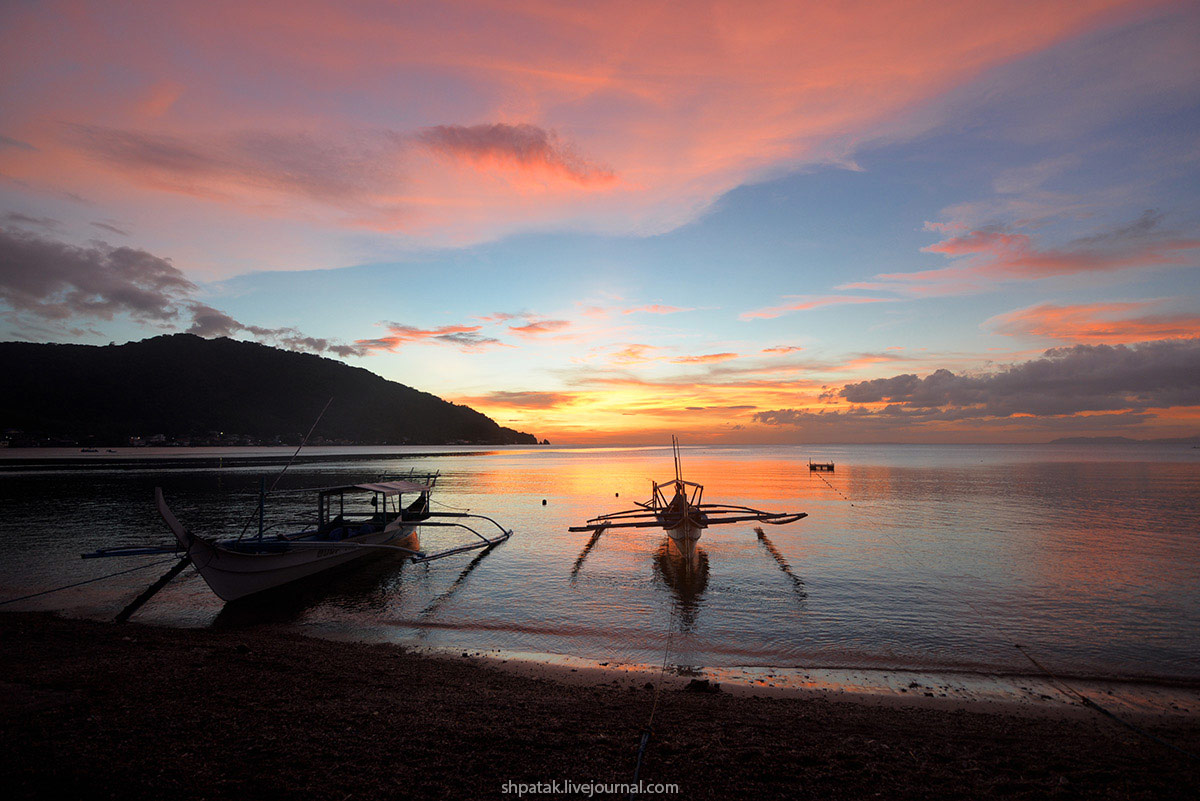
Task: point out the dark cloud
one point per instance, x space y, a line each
110 228
464 337
17 218
468 341
351 167
1127 380
322 168
1065 381
528 400
895 421
522 145
1145 228
8 141
50 282
57 281
209 322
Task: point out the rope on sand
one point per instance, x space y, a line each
1063 686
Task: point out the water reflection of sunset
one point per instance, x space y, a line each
901 549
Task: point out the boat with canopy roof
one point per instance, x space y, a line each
351 522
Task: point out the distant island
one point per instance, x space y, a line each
182 389
1125 441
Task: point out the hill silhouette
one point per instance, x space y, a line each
185 388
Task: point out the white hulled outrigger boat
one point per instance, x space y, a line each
684 516
352 522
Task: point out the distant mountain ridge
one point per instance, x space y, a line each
182 387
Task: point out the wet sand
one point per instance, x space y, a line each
96 710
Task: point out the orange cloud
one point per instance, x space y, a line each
634 354
1095 323
707 358
781 350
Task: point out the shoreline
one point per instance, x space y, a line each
933 685
216 456
1008 691
95 709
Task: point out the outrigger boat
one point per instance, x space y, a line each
352 522
684 516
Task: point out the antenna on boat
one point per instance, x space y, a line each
675 450
261 494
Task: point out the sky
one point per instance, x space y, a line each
610 222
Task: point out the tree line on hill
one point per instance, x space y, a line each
183 389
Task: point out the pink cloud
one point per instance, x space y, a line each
1096 323
540 328
780 350
361 103
983 256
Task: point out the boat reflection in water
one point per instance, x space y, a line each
686 575
373 587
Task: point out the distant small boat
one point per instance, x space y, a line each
684 516
350 522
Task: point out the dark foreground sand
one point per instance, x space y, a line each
91 710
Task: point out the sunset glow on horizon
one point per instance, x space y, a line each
612 222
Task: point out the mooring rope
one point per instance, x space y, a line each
87 581
1061 684
637 770
835 489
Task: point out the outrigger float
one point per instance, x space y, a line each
684 516
351 522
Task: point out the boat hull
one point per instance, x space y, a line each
233 574
684 536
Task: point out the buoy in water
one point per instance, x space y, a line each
543 501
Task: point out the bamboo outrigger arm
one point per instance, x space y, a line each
484 542
292 545
634 518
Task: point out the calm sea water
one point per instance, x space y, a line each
912 556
